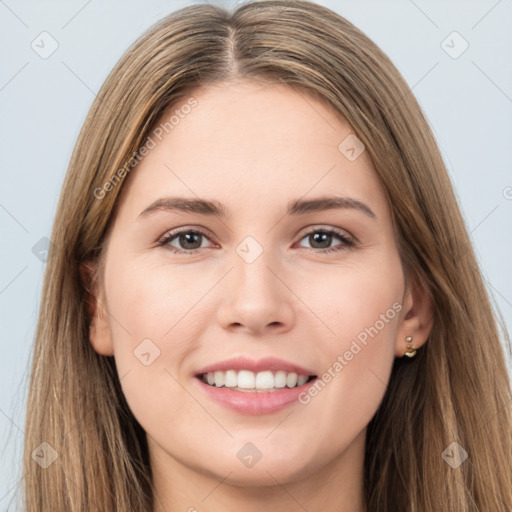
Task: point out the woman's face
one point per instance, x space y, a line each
265 271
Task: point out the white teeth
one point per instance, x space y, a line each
230 380
219 379
247 380
264 380
280 379
301 380
291 380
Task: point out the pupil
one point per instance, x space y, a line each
322 238
187 239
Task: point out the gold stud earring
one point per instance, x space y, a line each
411 351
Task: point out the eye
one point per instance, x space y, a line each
321 239
188 240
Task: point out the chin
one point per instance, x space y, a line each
268 470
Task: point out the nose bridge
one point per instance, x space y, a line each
252 275
256 298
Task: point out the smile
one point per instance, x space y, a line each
248 381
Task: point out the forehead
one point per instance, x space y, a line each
245 144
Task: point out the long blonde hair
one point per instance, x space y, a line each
457 388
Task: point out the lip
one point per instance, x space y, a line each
260 365
254 404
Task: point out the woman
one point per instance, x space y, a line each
197 350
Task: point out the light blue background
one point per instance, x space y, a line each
43 102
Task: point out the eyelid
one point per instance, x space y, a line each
184 229
302 233
347 238
323 227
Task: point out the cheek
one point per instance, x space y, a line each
366 309
363 308
155 300
154 322
359 301
152 319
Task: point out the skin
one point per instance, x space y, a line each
254 148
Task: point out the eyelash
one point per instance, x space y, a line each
347 241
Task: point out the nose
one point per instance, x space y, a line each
257 298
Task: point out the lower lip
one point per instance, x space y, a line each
255 403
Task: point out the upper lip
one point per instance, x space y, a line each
259 365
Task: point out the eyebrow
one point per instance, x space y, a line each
216 209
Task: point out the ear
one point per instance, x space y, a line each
99 328
417 316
